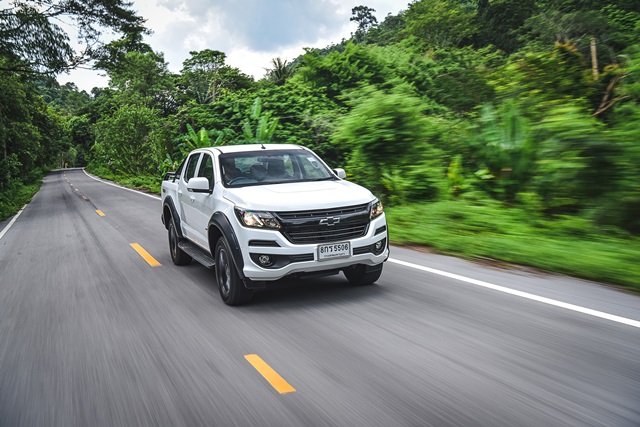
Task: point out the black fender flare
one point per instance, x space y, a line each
168 203
221 222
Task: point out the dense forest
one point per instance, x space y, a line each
524 105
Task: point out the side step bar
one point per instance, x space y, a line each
197 253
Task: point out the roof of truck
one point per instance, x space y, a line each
254 147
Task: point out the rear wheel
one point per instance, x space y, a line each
178 256
232 290
360 275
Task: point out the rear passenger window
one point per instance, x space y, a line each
191 167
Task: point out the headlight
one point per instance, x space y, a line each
376 209
257 219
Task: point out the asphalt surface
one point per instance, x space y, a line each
92 335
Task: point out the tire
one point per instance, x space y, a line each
178 256
231 287
359 276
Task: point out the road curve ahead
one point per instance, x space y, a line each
99 328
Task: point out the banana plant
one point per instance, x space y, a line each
265 127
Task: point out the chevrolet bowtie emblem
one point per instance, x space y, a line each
329 221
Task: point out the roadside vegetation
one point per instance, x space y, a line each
490 233
502 129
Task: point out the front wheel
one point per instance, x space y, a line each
178 256
360 275
232 290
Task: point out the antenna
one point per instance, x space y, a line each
262 146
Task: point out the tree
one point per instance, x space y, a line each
341 71
439 23
112 56
389 31
125 141
363 16
205 75
31 39
280 72
143 78
385 132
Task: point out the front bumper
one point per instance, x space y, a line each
302 259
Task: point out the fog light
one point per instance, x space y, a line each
265 260
378 246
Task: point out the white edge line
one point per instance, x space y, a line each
4 230
549 301
119 186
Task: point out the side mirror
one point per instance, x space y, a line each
340 172
198 185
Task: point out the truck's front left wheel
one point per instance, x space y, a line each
178 256
232 290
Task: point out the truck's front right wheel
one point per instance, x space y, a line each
232 290
178 256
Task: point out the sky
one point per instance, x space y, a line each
250 32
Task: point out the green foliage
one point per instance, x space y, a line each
489 231
389 31
542 79
499 22
439 23
264 128
504 149
33 40
280 72
343 71
13 198
456 180
125 142
205 76
383 126
145 183
385 132
143 78
573 153
363 16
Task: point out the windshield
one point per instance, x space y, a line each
271 167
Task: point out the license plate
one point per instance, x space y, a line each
334 250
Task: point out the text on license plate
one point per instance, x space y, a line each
334 250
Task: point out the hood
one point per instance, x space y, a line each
298 196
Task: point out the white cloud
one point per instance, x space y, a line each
250 32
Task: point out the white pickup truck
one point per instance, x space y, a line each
259 213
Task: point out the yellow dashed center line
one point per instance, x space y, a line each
269 374
84 197
99 212
76 189
144 254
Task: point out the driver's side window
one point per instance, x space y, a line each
206 170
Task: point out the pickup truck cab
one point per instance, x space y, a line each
259 213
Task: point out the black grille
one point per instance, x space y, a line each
325 225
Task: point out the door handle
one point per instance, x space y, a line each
180 192
192 199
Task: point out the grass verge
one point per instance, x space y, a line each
569 245
150 184
15 197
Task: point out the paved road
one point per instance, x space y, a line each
92 335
